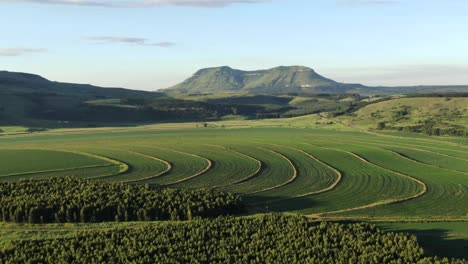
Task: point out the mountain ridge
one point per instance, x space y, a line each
281 79
287 80
20 82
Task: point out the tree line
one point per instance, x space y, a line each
261 239
71 200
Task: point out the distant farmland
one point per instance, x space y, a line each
319 173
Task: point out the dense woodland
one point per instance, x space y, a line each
263 239
59 200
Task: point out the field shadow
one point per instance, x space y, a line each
437 242
279 204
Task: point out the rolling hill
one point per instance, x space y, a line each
223 94
430 115
33 101
285 80
23 83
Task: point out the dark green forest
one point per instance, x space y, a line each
60 200
261 239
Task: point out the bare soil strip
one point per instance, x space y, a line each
412 148
338 174
123 167
293 177
249 177
373 145
168 165
378 203
32 173
423 163
207 168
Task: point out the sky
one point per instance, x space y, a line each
153 44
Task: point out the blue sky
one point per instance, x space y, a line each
151 44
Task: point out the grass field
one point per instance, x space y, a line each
410 112
323 173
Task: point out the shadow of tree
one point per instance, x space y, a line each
438 242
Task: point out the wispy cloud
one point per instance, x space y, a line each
140 3
130 40
367 2
12 52
166 44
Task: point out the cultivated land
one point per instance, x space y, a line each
402 181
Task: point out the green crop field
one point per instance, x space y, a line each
325 174
328 173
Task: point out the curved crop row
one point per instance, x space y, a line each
343 173
166 163
418 159
275 170
430 157
447 191
443 151
226 167
106 167
185 166
388 201
59 172
313 177
19 161
361 184
140 166
290 180
248 177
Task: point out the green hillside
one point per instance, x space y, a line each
20 83
35 103
430 115
286 80
31 101
279 80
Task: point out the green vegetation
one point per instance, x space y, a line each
35 162
269 238
31 104
275 169
430 115
74 200
286 80
314 165
17 83
280 80
437 238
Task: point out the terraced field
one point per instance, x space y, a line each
320 173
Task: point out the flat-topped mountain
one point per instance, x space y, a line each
279 80
284 80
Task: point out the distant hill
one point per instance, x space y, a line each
279 80
31 100
285 80
429 115
18 82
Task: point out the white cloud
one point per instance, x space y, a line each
130 40
11 52
140 3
